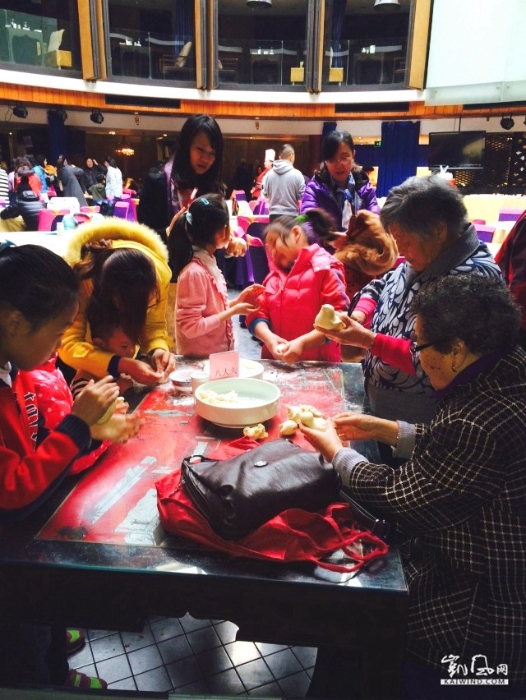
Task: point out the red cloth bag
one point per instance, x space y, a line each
293 535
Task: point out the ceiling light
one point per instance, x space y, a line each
20 110
258 4
60 114
96 116
507 123
387 5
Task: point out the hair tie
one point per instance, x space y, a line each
5 245
205 201
188 217
302 219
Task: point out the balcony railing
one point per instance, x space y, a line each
151 56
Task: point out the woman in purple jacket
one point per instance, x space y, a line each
340 187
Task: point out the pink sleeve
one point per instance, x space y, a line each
394 351
367 306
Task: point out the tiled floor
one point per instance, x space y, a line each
197 657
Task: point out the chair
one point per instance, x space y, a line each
297 74
48 218
261 206
175 64
121 210
55 57
478 221
510 214
485 233
257 252
240 195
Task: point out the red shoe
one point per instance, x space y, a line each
76 679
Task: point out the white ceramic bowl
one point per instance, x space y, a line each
181 379
258 401
247 368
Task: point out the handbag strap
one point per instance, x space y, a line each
380 549
360 560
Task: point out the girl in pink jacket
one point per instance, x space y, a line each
303 279
203 313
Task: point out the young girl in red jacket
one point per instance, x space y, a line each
38 301
303 279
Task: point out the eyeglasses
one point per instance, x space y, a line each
341 159
418 348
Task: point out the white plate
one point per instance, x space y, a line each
247 368
261 402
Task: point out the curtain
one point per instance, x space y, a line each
338 15
184 20
57 137
399 154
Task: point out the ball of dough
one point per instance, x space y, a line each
328 318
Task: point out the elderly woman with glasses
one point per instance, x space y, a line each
340 187
459 501
428 220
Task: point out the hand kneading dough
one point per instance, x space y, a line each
288 427
306 415
109 412
256 432
328 319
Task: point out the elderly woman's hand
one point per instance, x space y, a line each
353 333
361 426
325 441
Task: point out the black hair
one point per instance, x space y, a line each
37 282
183 176
111 161
103 319
478 310
205 217
419 204
322 224
124 280
331 144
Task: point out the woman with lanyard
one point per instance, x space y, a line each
340 187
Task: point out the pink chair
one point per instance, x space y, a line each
478 221
485 233
94 209
510 214
240 195
48 218
261 206
121 210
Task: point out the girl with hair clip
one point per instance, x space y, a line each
38 301
123 266
203 312
303 279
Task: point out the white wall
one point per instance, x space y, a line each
477 52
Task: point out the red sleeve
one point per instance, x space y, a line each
395 352
23 480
